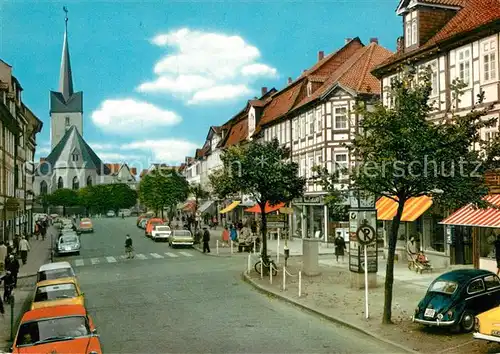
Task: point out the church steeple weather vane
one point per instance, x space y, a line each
66 79
65 9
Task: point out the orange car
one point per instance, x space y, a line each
152 223
60 329
56 292
86 225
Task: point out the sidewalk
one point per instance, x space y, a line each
330 296
38 255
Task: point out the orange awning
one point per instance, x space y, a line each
268 209
414 207
189 206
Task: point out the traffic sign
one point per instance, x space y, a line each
276 225
365 234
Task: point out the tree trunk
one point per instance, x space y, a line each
162 213
389 272
264 232
64 210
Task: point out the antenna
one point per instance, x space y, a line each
65 9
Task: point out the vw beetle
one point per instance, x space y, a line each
454 298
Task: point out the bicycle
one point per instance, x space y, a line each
266 266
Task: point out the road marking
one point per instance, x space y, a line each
79 262
186 254
171 254
94 260
156 255
111 259
141 256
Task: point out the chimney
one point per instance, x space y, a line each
42 159
263 91
374 40
347 40
290 80
321 55
400 44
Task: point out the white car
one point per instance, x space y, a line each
110 214
52 271
68 244
161 233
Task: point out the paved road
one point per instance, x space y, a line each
192 304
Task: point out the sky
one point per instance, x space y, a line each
156 75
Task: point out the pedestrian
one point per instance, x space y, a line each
3 255
13 268
225 237
206 240
339 246
233 233
16 240
129 248
24 248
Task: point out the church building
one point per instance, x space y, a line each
71 163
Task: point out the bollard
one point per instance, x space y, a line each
284 278
254 247
261 269
300 283
11 316
270 272
231 246
217 246
278 249
248 264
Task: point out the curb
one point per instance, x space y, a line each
340 321
214 254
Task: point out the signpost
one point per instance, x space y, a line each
365 235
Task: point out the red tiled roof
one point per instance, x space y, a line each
445 2
113 167
238 133
474 14
281 103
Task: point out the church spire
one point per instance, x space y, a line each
66 78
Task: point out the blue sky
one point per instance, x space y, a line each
157 74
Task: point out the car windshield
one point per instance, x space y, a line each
162 228
182 233
54 329
444 286
55 274
68 239
56 292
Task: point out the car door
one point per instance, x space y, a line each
492 284
475 296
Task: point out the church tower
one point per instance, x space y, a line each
66 106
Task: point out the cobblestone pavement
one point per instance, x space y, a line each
329 293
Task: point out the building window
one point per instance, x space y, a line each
303 171
319 122
489 136
434 78
76 184
60 183
319 158
310 118
411 30
488 49
74 156
341 164
303 127
309 89
67 121
464 65
89 181
340 117
310 165
43 188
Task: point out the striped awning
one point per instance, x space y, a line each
230 207
189 205
470 216
205 206
414 207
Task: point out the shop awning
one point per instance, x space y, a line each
471 216
205 206
268 208
414 207
230 207
189 205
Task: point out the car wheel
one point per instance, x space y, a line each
78 253
467 322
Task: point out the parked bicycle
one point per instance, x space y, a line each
267 265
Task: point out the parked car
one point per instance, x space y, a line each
150 224
143 223
124 212
59 329
181 238
161 233
454 298
487 326
53 271
86 225
110 214
62 291
68 244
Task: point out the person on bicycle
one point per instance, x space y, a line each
129 249
8 285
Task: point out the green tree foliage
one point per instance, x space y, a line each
198 193
335 197
402 155
262 170
64 197
104 197
44 201
162 189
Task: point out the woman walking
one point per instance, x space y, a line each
129 249
225 237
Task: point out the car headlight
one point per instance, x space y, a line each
450 314
440 316
476 324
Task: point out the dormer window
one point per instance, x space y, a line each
309 88
74 156
411 29
67 121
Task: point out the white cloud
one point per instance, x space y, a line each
218 93
165 150
258 70
42 150
203 61
101 146
129 115
107 156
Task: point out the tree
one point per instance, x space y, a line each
64 197
401 155
121 196
262 170
44 201
335 196
198 193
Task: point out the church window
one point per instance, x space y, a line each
43 188
60 183
76 184
89 181
74 156
67 121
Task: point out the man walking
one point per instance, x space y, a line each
206 240
24 248
129 249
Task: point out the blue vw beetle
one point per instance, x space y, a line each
454 298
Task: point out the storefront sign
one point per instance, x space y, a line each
363 227
275 218
316 200
276 225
